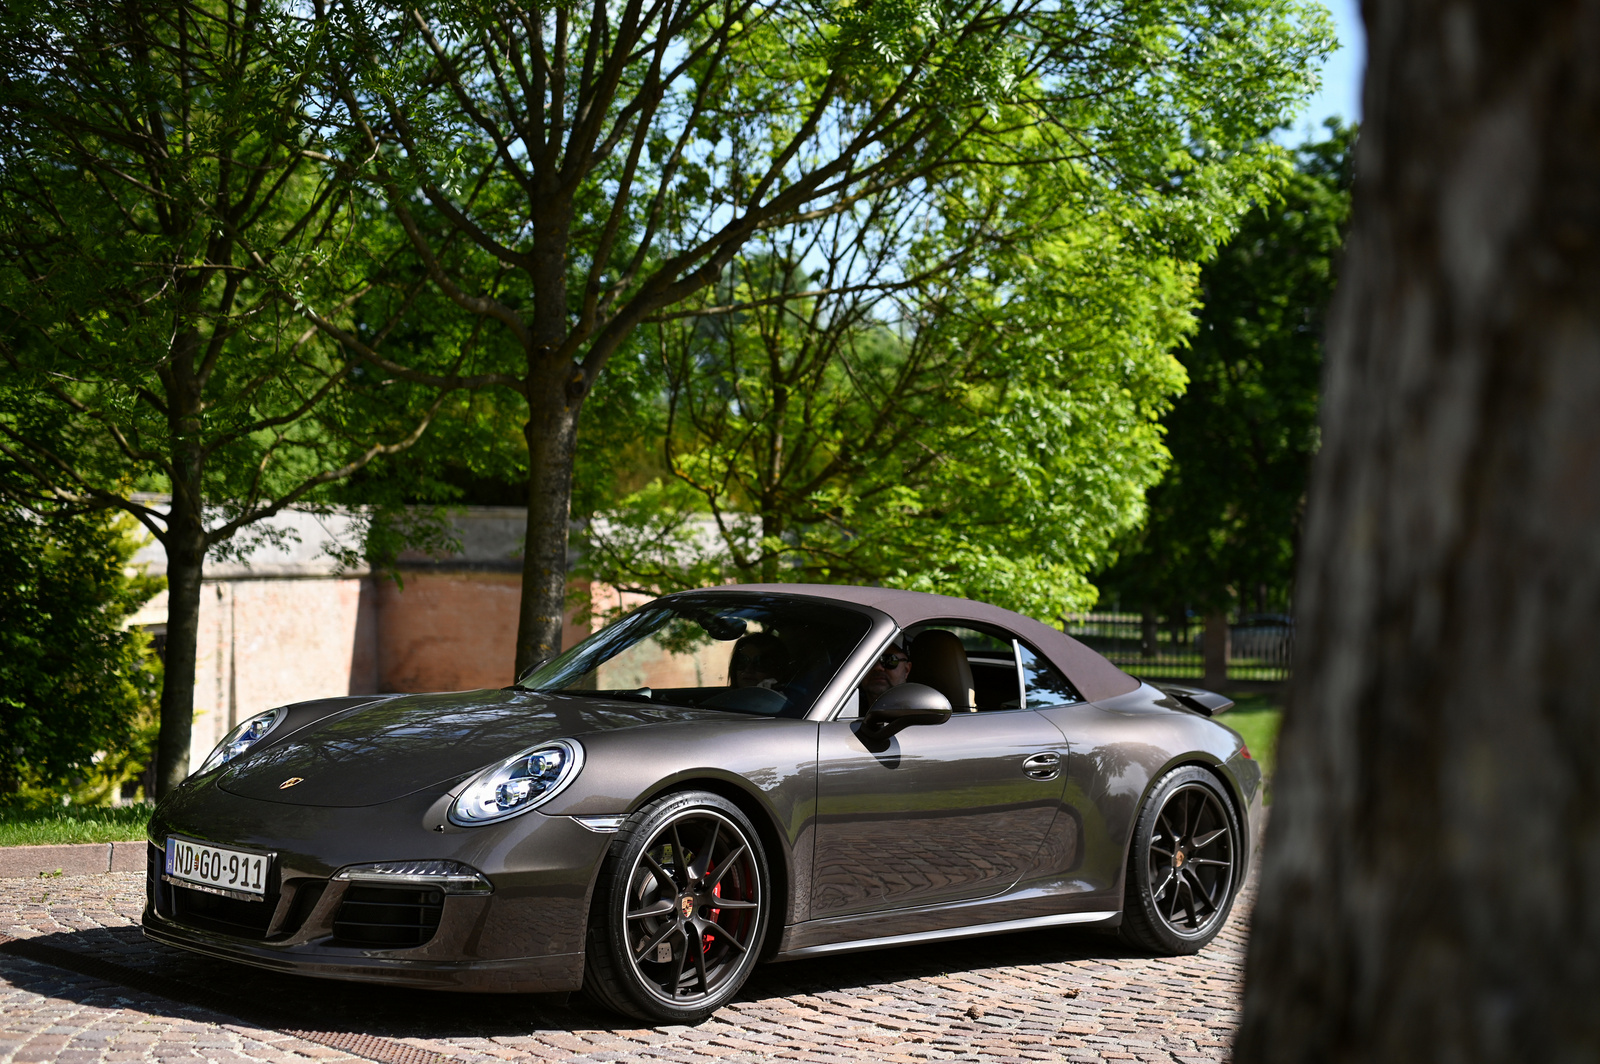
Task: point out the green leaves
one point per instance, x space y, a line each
875 41
1224 524
985 425
74 682
157 269
168 262
956 386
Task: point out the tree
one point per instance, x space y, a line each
977 421
1224 522
73 678
162 226
1427 886
567 172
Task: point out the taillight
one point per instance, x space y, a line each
1245 750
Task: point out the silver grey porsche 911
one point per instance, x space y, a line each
721 778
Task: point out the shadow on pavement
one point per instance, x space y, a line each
122 956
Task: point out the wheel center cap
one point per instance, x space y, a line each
686 905
1177 859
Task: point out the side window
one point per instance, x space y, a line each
1043 686
990 658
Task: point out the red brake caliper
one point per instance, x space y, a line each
716 891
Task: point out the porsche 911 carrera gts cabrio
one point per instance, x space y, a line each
723 777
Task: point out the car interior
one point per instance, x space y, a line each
768 659
977 668
775 663
974 668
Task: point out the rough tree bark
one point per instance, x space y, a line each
551 433
1427 893
186 553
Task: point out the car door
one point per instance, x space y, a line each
946 812
1100 795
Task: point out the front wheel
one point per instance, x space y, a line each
1183 866
679 912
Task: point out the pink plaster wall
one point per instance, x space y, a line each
270 642
266 643
449 631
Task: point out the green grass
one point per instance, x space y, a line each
1257 718
72 823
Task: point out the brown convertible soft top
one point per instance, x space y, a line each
1093 676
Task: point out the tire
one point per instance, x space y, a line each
1183 867
679 912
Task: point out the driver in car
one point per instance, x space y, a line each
892 669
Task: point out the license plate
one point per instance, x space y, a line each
222 869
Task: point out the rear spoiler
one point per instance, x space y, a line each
1206 703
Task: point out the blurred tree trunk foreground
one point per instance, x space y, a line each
1428 887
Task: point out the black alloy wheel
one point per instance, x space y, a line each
679 912
1183 866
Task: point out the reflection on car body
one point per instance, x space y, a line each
699 787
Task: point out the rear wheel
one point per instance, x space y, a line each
1183 865
679 912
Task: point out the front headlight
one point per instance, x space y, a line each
243 738
518 783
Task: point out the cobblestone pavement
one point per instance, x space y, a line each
1053 995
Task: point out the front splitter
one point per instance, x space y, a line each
557 973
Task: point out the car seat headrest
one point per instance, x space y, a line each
939 660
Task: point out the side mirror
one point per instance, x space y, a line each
901 707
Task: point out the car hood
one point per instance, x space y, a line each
382 751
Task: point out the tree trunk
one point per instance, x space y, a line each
185 543
185 567
1217 647
1147 632
1428 886
552 435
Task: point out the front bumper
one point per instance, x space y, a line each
525 937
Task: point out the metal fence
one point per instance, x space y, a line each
1260 646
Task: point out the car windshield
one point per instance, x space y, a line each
768 656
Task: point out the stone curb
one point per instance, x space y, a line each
74 859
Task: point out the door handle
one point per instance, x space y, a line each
1042 766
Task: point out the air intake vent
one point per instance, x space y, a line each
213 912
387 917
